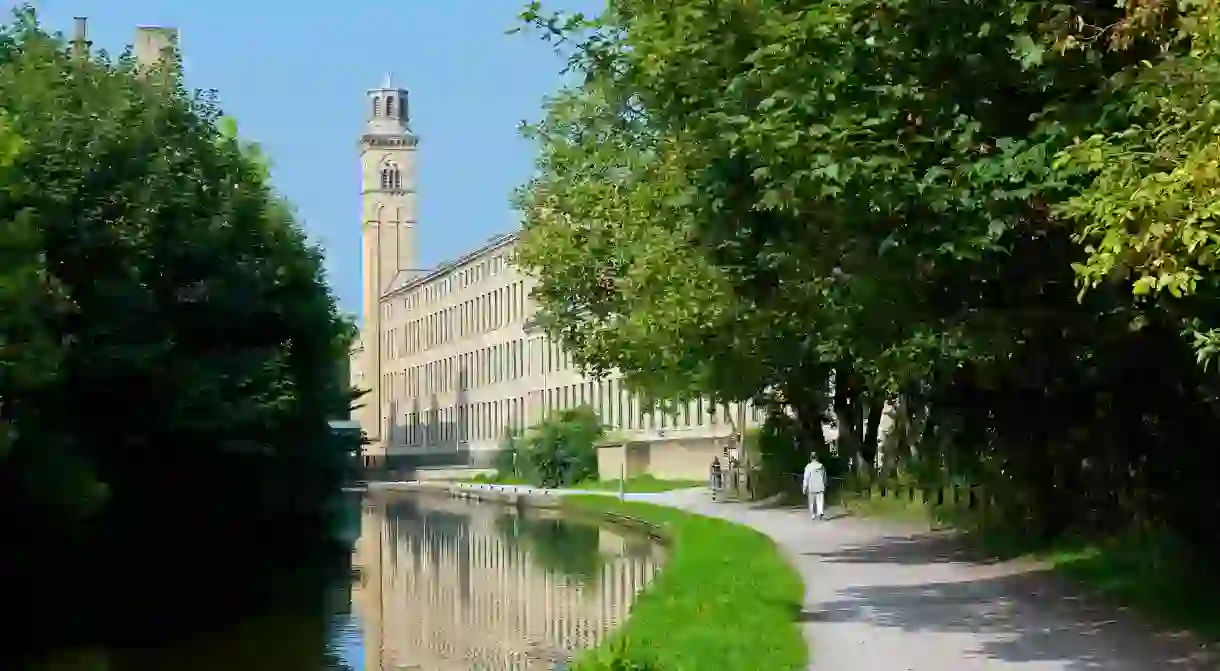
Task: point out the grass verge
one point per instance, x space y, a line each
643 484
1146 571
726 599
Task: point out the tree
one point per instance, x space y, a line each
561 450
743 199
166 332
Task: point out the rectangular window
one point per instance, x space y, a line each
512 303
613 409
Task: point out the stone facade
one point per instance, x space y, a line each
446 354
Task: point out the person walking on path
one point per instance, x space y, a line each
813 485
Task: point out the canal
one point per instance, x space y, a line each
435 584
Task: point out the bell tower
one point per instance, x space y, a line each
387 189
387 193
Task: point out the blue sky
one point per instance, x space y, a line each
294 75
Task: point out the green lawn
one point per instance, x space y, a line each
726 600
643 484
1146 572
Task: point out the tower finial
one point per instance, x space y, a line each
389 81
80 40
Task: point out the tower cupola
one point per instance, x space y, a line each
388 110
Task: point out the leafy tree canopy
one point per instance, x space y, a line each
165 324
994 214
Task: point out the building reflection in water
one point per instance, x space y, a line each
446 584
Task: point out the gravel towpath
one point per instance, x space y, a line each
882 597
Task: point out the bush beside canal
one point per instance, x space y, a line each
559 451
726 599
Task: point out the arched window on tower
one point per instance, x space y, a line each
391 177
389 106
376 105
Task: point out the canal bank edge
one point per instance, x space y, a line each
506 495
525 498
726 598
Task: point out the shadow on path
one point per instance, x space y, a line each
912 548
1011 612
881 597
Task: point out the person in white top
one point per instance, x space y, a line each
813 485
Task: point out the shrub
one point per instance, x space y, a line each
562 449
506 461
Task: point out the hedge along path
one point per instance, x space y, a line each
726 599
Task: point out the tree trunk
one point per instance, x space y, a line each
847 414
809 406
872 424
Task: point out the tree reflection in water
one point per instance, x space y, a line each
571 550
430 584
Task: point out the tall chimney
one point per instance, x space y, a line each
155 45
80 34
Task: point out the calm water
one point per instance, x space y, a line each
436 585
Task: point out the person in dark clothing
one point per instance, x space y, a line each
717 475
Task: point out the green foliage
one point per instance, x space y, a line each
703 611
561 450
827 207
1151 162
505 463
166 332
781 454
618 656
